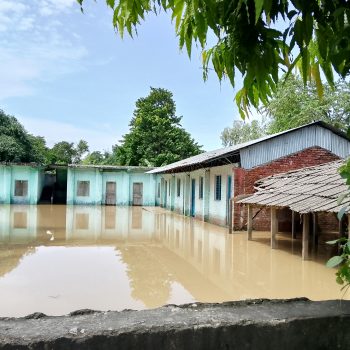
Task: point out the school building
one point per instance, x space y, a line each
209 185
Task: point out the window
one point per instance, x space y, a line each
201 187
217 192
178 187
83 188
21 188
159 190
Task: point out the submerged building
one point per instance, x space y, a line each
205 185
208 186
111 185
77 184
20 183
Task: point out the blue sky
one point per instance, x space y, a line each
68 76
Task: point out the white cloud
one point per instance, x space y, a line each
35 49
11 6
11 15
53 7
98 138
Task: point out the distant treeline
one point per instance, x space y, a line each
155 138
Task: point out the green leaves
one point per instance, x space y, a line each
334 261
16 145
156 136
248 41
258 9
342 261
294 104
242 132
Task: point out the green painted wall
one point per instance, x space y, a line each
124 186
9 174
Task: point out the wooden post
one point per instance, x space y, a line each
349 226
250 222
230 221
305 239
340 228
294 236
274 227
314 232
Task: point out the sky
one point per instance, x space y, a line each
67 75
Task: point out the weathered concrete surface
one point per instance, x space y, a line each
257 324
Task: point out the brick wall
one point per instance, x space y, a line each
244 184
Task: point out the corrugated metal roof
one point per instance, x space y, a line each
110 167
312 189
208 157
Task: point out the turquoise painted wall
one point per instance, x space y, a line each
124 185
8 176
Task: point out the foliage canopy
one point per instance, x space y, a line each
64 152
156 137
256 38
15 142
242 132
295 104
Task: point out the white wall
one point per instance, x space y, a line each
217 212
218 208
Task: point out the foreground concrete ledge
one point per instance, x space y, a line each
252 324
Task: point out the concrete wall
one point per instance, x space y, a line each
256 324
95 192
206 208
9 174
124 186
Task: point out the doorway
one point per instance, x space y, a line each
137 197
111 190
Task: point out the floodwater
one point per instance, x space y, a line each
56 259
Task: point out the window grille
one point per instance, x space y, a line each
178 187
218 187
21 188
201 187
83 188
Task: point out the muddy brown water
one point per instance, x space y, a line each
56 259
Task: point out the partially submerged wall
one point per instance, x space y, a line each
256 324
244 180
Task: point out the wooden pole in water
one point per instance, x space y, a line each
305 239
314 231
294 236
230 216
274 227
250 222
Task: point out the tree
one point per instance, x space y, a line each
40 150
81 148
242 132
67 153
313 35
98 158
156 137
15 143
295 104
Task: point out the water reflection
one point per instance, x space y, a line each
56 259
